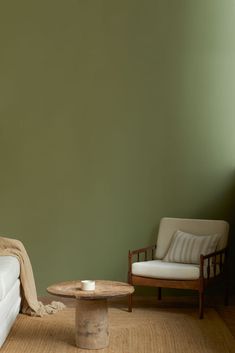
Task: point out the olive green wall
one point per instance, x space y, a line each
112 115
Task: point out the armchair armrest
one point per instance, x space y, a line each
142 250
136 253
213 259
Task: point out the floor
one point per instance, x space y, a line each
227 313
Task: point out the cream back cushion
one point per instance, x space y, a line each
187 248
168 227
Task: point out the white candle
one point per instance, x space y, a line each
88 285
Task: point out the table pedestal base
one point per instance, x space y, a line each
92 324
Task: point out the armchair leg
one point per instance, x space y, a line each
130 303
201 304
226 292
159 296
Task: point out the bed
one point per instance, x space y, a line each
10 299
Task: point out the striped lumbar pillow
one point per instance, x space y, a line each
187 248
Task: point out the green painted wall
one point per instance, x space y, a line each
112 115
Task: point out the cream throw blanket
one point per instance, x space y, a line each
30 303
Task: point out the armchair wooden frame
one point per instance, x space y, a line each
216 259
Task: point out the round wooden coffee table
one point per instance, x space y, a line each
91 326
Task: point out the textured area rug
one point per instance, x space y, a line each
145 330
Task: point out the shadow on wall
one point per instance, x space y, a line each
223 207
231 220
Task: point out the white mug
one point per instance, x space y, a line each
88 285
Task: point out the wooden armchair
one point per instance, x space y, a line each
153 266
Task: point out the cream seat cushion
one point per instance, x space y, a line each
168 270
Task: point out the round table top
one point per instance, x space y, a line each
103 289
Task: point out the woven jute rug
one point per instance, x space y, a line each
145 330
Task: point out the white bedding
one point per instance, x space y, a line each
8 321
9 272
9 301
